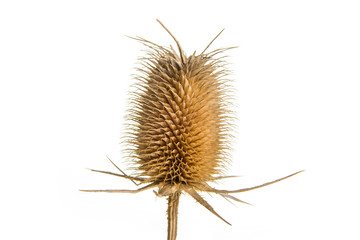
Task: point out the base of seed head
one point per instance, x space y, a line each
179 133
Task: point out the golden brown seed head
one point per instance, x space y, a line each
179 118
178 130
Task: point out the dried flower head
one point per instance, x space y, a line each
179 126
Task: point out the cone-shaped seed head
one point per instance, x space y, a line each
179 117
179 127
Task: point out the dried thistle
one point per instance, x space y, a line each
178 135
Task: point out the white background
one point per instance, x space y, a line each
65 70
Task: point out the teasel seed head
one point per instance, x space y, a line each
179 118
179 126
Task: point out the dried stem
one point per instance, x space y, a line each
173 205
